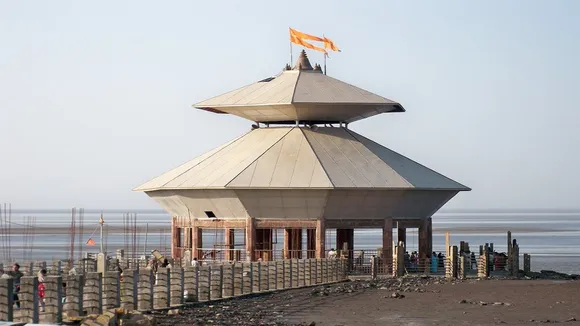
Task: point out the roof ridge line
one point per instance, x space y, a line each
294 90
317 160
257 158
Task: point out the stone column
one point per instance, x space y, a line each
425 231
250 238
196 241
55 268
146 281
129 289
28 297
6 299
527 263
177 286
111 295
320 238
161 290
462 267
73 306
175 239
230 241
310 243
93 293
401 234
53 299
292 243
387 252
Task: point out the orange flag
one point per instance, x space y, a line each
305 36
328 44
300 41
91 242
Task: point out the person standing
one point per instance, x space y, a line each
41 289
16 274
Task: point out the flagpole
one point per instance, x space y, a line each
325 54
102 243
291 59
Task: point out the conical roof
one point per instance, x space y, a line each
301 158
303 94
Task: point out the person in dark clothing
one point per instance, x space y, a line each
16 275
165 263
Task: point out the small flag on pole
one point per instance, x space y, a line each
101 221
91 242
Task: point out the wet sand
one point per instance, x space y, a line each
471 302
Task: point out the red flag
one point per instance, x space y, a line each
91 242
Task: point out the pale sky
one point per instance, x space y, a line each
95 97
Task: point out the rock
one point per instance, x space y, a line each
312 323
570 319
498 303
463 301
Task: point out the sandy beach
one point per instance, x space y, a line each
413 301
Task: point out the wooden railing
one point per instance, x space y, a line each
93 293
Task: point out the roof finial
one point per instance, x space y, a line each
303 63
317 68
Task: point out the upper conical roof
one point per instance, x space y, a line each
303 94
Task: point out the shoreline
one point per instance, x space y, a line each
435 300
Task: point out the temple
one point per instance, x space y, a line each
302 171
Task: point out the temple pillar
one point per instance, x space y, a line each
320 239
230 243
401 234
250 238
196 242
187 240
292 243
263 246
345 242
387 254
425 236
175 239
310 243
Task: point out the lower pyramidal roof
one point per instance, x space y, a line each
301 158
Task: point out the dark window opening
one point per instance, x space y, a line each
209 214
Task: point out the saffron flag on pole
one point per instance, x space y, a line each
305 36
101 221
91 242
299 38
328 44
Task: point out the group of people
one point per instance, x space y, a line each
16 275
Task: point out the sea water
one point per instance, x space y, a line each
552 238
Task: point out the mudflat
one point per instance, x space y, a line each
407 301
